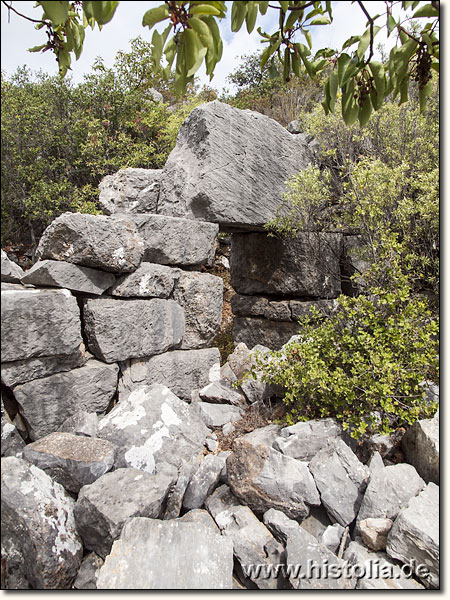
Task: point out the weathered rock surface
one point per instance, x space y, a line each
415 535
341 480
374 532
176 493
375 571
260 306
304 440
389 490
203 481
179 242
220 500
104 506
107 243
130 191
305 266
148 281
180 370
88 573
12 442
222 392
120 329
240 362
10 272
281 526
216 415
71 460
46 403
317 522
81 423
264 436
253 331
153 426
332 537
201 296
67 275
162 555
40 545
39 323
263 478
421 447
229 167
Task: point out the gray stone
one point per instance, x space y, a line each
263 478
162 555
12 442
389 490
375 462
203 481
317 522
221 500
227 429
81 423
153 426
148 281
341 480
375 571
117 330
212 445
156 96
104 506
10 271
229 167
173 241
256 390
221 392
255 330
176 493
40 544
281 526
216 415
107 243
421 447
332 537
294 127
13 286
302 308
356 260
46 403
71 460
259 306
304 266
201 296
264 436
180 370
305 439
200 516
88 573
239 360
22 371
374 532
226 373
39 323
415 535
67 275
130 191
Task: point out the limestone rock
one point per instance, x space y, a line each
375 462
259 306
67 275
201 296
221 392
81 423
216 415
264 436
305 439
153 426
305 266
60 396
107 243
182 371
130 191
229 167
40 544
177 491
104 506
12 442
179 242
332 537
389 490
39 323
10 271
88 573
317 522
203 481
421 447
374 532
163 555
281 526
71 460
220 500
415 535
263 478
148 281
302 308
255 330
120 329
341 480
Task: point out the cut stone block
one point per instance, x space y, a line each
130 191
148 281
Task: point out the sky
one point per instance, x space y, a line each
17 35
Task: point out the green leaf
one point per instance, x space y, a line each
295 59
320 21
403 88
350 108
351 40
267 53
391 24
377 70
170 51
287 64
263 7
423 95
364 112
37 48
238 12
104 11
57 12
293 17
333 87
157 47
205 9
250 18
435 66
342 64
308 37
155 15
365 41
203 32
194 52
304 52
284 5
426 11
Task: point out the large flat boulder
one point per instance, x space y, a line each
182 371
174 241
120 329
229 166
41 548
107 243
46 403
39 323
130 191
166 555
61 274
10 271
104 506
421 447
305 266
153 426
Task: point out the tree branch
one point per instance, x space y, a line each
10 7
369 18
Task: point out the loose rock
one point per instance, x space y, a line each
304 440
374 532
130 191
203 482
88 573
10 272
81 423
216 415
421 447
